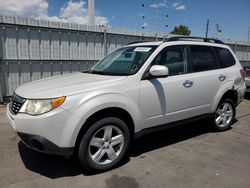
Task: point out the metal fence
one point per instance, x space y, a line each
17 73
33 49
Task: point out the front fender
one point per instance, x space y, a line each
89 105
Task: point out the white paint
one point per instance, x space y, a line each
142 49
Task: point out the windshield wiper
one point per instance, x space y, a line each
96 72
92 71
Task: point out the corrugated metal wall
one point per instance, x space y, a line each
34 49
52 44
15 73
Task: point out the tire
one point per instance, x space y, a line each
224 115
104 144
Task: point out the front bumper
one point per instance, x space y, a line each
43 145
50 133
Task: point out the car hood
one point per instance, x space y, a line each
64 85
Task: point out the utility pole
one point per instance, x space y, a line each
143 19
157 23
248 44
207 28
105 41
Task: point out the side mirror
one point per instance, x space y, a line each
158 71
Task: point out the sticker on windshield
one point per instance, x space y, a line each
142 49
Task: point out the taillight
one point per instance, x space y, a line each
243 73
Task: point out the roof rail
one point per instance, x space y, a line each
138 42
187 38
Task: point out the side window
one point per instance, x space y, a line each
174 58
203 58
225 57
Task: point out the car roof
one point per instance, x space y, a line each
185 41
180 42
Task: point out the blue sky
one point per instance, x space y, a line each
233 17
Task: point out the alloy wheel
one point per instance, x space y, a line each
224 114
106 144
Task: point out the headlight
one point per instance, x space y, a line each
41 106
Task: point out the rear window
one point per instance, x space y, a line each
225 57
203 58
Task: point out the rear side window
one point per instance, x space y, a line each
225 57
203 58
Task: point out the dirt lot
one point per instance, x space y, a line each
186 156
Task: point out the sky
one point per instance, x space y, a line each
232 17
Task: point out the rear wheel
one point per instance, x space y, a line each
224 115
104 144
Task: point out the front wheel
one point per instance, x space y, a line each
224 115
104 144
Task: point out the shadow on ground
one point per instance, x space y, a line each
48 165
170 136
56 167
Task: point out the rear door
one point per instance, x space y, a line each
207 77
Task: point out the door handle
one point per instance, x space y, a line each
188 84
222 77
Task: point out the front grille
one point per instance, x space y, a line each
16 103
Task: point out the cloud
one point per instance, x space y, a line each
178 6
162 4
25 8
181 7
154 6
71 9
145 24
175 4
74 12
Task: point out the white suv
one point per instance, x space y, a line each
134 90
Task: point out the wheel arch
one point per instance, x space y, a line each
106 112
232 94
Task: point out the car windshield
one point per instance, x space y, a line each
124 61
